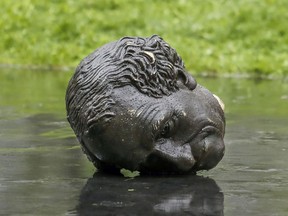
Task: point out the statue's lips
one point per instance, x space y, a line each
206 128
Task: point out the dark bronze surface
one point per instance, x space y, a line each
132 105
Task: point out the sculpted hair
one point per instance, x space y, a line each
149 64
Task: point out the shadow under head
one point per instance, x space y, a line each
132 105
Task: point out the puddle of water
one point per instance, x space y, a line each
44 172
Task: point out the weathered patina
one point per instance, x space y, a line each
132 105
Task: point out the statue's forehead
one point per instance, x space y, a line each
131 102
130 99
185 102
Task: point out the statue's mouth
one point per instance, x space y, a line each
206 127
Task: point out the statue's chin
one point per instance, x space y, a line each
213 153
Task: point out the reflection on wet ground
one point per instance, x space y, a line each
192 195
44 172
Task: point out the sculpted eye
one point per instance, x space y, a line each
169 128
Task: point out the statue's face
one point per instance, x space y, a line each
181 132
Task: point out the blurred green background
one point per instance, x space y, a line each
42 166
214 37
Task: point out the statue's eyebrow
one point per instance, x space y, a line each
152 115
145 112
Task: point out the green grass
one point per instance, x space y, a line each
212 36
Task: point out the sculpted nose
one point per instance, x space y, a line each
170 157
180 156
183 158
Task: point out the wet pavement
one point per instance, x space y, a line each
44 172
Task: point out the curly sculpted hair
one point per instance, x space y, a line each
148 64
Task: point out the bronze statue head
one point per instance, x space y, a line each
132 105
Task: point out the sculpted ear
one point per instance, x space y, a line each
187 79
